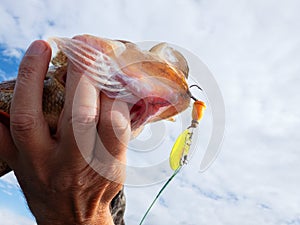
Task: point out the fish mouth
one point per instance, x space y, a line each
147 110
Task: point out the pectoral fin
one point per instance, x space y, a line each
172 119
136 132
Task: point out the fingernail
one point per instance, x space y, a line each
36 48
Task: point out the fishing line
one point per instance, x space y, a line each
159 193
180 151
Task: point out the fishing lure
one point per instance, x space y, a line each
180 151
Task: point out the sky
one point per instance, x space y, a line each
252 48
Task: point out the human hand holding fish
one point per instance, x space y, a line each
107 87
59 185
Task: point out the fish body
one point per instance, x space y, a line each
153 82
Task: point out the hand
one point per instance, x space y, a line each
69 178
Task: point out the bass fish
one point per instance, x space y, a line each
153 82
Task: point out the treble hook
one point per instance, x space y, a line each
194 85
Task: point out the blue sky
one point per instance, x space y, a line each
8 65
251 47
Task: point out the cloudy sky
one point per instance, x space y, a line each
251 47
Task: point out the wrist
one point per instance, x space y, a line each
101 216
67 208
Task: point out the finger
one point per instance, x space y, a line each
77 128
114 134
114 126
28 127
8 152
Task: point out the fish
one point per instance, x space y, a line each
152 82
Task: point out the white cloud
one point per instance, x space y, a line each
252 48
8 217
10 179
13 52
2 75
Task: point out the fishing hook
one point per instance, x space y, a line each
195 85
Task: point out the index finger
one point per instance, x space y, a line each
77 128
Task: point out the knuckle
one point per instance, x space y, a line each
111 191
115 121
84 117
23 122
25 70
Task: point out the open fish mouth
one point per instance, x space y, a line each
142 111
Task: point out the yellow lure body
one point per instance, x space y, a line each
180 148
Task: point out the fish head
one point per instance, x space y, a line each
153 82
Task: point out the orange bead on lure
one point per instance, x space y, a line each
179 154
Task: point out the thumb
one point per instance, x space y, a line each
28 126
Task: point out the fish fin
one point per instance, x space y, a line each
171 119
99 67
172 57
4 118
136 132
